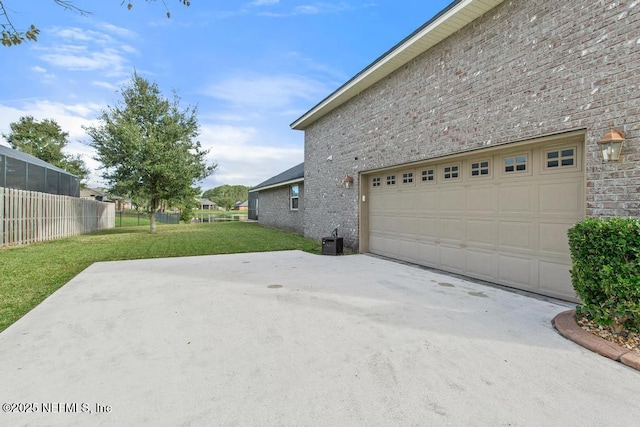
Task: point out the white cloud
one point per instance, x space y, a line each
118 31
79 49
266 92
264 2
70 117
43 74
306 10
78 59
245 156
319 8
106 85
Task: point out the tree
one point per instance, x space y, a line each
45 140
11 36
147 147
227 195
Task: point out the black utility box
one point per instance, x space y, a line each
332 246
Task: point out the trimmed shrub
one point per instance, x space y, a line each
605 272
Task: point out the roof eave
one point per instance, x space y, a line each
450 20
276 185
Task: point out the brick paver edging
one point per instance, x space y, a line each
566 324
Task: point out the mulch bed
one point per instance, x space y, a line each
631 341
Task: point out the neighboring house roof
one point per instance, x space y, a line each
242 204
290 176
19 155
453 18
207 202
91 192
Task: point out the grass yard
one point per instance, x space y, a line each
29 274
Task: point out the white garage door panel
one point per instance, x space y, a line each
429 227
452 259
428 201
560 198
553 279
452 201
481 232
452 229
482 200
428 254
488 220
515 235
481 264
553 237
516 199
515 271
407 225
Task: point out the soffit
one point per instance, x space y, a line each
456 16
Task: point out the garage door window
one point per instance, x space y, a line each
561 158
515 164
407 178
428 175
480 169
391 180
451 172
375 182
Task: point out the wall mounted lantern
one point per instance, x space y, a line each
347 181
611 144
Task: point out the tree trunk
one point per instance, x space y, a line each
152 216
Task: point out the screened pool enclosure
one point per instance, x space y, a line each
26 172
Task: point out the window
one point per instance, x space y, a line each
480 168
375 182
407 178
560 158
514 164
451 172
428 175
294 197
391 180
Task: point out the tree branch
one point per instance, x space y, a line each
11 36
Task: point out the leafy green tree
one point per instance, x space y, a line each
11 36
74 164
147 147
46 141
226 196
188 204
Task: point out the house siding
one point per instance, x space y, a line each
274 211
524 70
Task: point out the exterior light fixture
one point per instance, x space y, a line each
347 181
611 144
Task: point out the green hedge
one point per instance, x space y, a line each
605 273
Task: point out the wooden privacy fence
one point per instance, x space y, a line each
28 216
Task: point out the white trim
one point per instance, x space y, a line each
279 184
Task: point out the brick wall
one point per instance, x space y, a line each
274 211
526 69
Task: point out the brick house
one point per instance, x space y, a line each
278 201
474 143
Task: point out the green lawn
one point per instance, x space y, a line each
29 274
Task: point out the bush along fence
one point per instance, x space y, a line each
605 271
28 216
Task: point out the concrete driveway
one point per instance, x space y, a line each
294 339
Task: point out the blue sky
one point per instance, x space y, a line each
250 67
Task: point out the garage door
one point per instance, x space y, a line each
500 215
